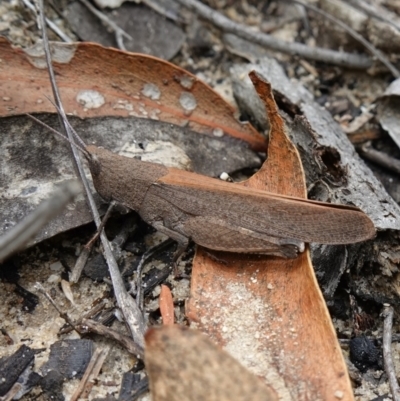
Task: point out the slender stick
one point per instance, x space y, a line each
374 51
60 312
14 390
92 371
87 249
380 158
133 317
119 32
92 241
378 12
387 351
122 339
313 53
88 315
139 270
50 24
15 238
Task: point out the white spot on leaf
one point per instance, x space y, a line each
160 152
90 99
218 132
123 104
188 101
151 91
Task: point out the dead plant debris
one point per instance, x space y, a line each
266 312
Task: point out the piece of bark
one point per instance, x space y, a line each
69 357
12 367
132 385
388 111
184 364
334 171
326 152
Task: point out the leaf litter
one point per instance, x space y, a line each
207 72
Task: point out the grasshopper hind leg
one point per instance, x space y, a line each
217 234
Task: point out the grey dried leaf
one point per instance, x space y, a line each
35 163
19 235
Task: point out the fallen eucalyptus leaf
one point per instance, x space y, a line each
167 110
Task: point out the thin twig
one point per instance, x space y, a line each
94 311
91 242
59 134
387 351
378 12
61 313
92 371
164 9
14 390
139 270
133 316
105 331
80 263
84 323
313 53
372 49
87 249
15 238
75 134
119 32
395 338
50 24
380 158
117 243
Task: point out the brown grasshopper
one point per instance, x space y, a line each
219 215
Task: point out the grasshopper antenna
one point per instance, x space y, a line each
76 135
82 149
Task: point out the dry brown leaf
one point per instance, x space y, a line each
269 312
98 81
184 364
166 305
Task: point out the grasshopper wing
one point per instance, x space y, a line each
196 200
